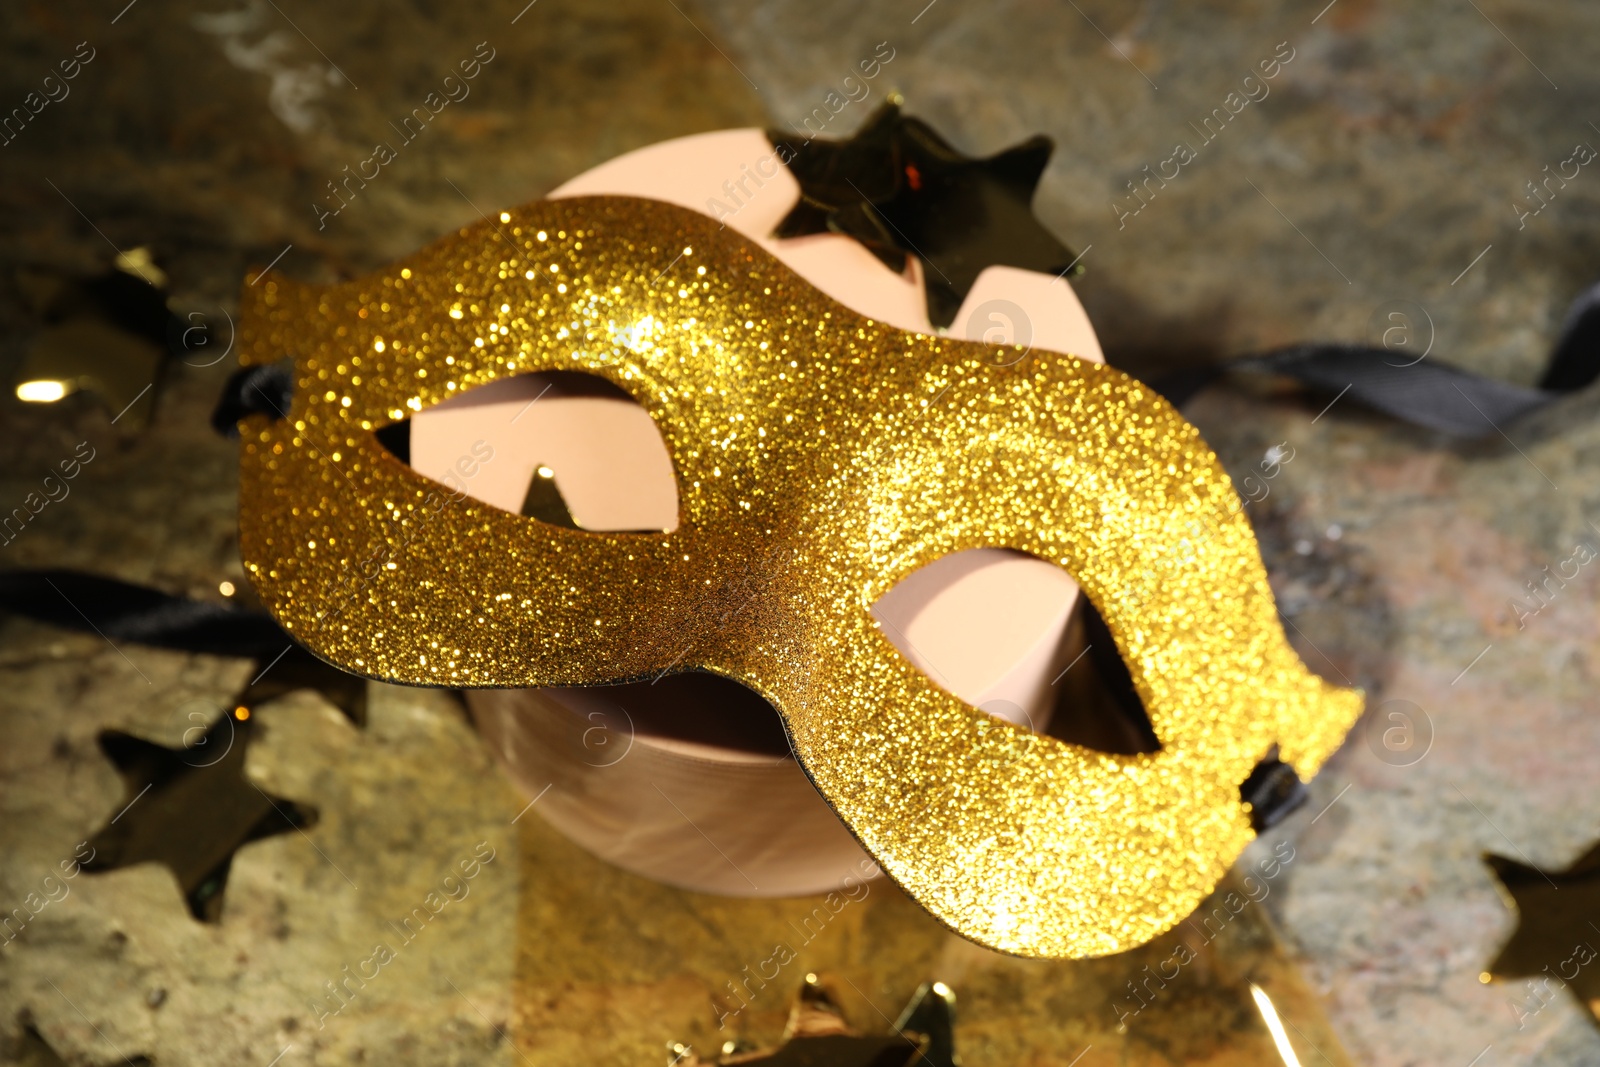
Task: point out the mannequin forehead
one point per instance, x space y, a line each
736 177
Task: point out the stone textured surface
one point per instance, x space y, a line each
705 970
1389 154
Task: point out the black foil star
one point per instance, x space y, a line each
190 809
901 189
120 611
1557 939
840 181
817 1035
110 335
294 669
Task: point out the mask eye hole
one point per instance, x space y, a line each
1095 703
560 447
1011 635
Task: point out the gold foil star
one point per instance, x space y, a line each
817 1035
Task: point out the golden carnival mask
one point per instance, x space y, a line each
820 457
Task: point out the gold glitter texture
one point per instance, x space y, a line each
821 457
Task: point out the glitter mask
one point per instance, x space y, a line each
820 459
